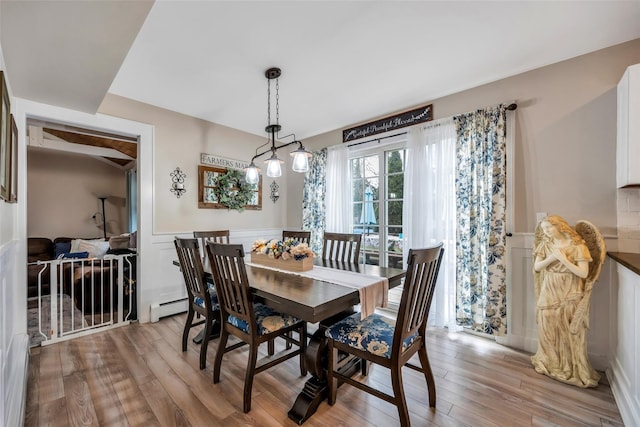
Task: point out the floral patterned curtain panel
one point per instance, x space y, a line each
480 207
313 208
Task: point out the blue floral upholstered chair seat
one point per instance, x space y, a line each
251 323
373 334
268 320
388 343
215 305
202 296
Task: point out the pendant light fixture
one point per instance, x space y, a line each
274 164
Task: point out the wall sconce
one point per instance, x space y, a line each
275 195
177 182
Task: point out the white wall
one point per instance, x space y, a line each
179 141
63 190
565 145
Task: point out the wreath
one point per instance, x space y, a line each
232 191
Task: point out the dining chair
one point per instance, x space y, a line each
202 296
300 236
343 247
215 236
387 342
252 323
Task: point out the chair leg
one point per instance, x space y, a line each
224 335
187 327
271 347
208 326
332 364
398 393
364 367
248 378
428 375
288 344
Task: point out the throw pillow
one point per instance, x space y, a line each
119 242
61 248
73 255
97 248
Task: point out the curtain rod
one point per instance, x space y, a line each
511 107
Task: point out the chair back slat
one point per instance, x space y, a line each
230 277
300 236
423 266
192 270
215 236
341 247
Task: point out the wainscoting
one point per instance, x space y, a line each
169 295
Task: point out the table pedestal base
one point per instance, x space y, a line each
215 333
316 389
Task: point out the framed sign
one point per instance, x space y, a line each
397 121
5 142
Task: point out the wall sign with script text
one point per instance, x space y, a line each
397 121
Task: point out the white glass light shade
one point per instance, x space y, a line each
252 175
274 170
300 161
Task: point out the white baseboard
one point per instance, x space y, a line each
164 309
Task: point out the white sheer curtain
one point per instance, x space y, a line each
430 208
338 201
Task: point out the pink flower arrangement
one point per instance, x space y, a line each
287 249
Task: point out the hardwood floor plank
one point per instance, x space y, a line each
53 413
180 392
78 400
139 376
51 386
164 408
33 380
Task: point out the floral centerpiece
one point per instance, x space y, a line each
288 254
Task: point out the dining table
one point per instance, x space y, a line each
317 302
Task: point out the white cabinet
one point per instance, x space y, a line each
628 140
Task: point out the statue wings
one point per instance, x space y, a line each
597 248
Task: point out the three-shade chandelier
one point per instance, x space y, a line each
274 168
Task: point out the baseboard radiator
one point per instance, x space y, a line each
164 309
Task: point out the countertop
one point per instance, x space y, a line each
629 260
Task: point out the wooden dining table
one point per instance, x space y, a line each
314 301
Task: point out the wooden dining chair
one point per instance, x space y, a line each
341 247
300 236
202 296
383 341
252 323
215 236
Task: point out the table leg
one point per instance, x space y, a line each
215 333
315 388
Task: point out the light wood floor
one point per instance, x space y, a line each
137 375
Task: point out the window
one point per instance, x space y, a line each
377 200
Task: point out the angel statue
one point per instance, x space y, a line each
567 262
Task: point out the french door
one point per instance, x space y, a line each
377 183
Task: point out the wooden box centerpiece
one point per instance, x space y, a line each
290 264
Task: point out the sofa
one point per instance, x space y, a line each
80 279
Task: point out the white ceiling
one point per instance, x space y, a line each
343 62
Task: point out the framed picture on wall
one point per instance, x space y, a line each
5 143
13 170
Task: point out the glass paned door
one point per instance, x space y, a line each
394 174
378 191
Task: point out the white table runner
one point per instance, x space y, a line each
373 290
